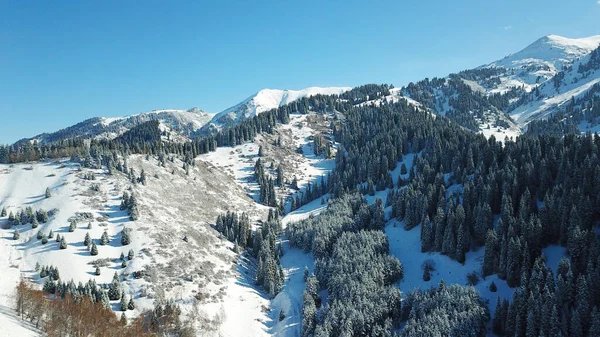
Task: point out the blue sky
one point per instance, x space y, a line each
64 61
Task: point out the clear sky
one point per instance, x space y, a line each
64 61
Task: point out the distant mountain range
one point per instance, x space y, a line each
499 98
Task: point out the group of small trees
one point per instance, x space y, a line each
266 184
236 228
261 243
129 203
71 315
27 216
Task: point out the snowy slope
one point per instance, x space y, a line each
13 326
265 100
552 50
196 272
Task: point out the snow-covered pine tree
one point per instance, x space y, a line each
114 289
63 243
123 303
131 305
94 250
125 240
104 239
87 239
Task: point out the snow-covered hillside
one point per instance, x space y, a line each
181 256
179 123
265 100
549 66
545 57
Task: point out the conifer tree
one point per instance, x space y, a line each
16 234
125 240
123 303
131 305
94 250
63 243
114 289
48 194
87 240
104 239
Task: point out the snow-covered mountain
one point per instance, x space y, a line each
181 123
543 59
265 100
504 96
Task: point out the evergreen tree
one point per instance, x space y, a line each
94 250
104 238
48 193
72 226
97 273
3 213
130 255
114 289
87 240
131 305
16 234
124 302
63 243
125 240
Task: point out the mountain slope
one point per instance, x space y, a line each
182 122
504 96
265 100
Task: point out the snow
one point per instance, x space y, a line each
585 126
268 99
165 218
499 133
406 246
552 50
13 326
24 185
553 255
543 108
289 300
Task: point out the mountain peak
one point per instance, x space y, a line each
267 99
551 51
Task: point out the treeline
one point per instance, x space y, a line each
353 265
145 138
